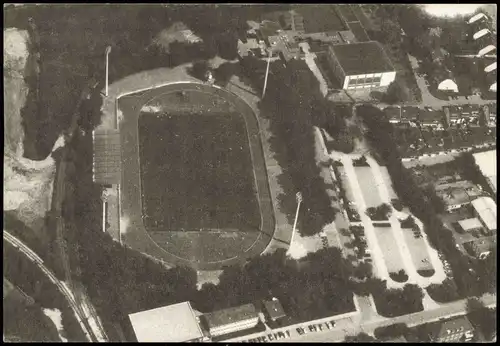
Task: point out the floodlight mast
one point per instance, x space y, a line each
270 52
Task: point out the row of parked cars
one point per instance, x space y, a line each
315 327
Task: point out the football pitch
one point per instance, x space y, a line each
194 187
196 173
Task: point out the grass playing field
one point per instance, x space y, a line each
196 173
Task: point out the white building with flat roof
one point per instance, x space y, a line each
486 211
487 162
172 323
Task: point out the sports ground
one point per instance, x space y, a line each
194 188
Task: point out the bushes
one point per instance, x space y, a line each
445 292
409 222
380 213
396 204
398 302
400 276
361 162
392 331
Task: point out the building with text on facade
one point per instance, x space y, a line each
361 65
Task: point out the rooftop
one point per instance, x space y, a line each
230 315
487 210
362 58
173 323
274 309
470 224
487 162
482 245
455 325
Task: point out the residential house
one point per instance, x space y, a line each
458 194
361 65
452 115
481 248
453 330
231 320
433 118
273 309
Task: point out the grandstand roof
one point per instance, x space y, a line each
173 323
107 157
362 58
487 210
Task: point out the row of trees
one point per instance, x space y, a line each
294 104
380 135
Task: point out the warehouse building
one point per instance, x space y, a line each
173 323
486 210
231 320
361 65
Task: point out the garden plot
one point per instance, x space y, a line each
390 251
368 186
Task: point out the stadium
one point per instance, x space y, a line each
187 164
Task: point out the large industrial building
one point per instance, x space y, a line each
231 320
361 65
173 323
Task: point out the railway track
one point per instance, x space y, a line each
81 318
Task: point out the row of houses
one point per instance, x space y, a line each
444 118
181 323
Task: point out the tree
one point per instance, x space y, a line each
391 332
199 70
445 292
482 317
394 94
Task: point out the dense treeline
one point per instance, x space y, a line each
71 40
293 104
380 135
27 276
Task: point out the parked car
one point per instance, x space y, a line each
270 336
300 331
319 326
287 333
281 335
333 323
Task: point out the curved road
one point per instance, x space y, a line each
81 318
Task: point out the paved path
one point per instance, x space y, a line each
311 63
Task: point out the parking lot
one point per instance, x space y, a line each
391 252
